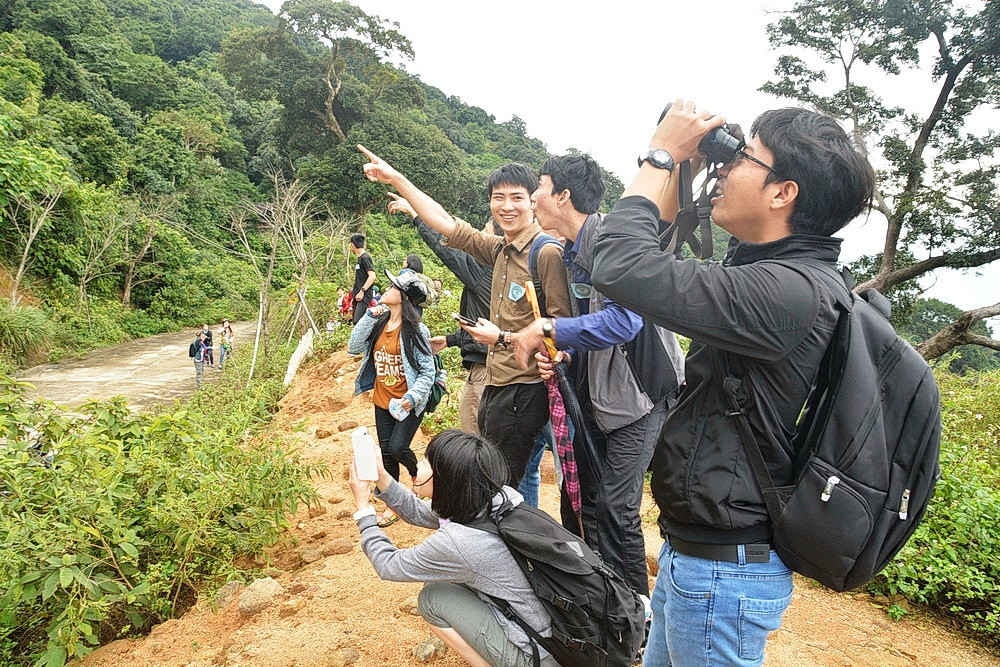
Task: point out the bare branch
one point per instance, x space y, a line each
958 333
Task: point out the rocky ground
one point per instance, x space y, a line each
321 604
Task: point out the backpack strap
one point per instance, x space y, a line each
488 524
539 241
738 398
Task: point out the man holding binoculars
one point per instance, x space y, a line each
721 588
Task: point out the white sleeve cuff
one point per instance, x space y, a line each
367 510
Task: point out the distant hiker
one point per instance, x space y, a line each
457 563
331 324
225 343
210 354
413 263
364 277
399 366
197 351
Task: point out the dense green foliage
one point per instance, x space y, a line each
952 562
133 133
112 521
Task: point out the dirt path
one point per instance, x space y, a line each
333 610
148 371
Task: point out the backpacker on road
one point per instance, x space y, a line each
597 619
866 447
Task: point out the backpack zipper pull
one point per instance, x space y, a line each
831 482
904 505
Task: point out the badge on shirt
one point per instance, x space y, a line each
515 292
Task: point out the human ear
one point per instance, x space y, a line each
785 194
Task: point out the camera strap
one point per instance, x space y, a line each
693 215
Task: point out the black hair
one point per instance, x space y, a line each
358 240
512 173
579 174
835 181
414 262
468 471
410 337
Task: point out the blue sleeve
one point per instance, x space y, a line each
613 325
358 343
421 390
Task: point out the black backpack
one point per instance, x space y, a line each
193 348
439 388
597 619
866 448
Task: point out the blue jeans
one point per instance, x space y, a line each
532 477
709 612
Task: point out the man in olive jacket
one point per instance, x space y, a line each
721 588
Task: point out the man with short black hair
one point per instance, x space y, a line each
624 400
763 318
364 277
515 403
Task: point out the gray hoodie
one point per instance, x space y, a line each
455 553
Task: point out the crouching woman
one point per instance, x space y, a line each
460 565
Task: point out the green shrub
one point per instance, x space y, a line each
952 562
23 330
112 521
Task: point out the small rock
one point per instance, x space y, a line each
333 500
290 608
322 434
430 650
341 545
227 593
410 607
345 514
310 554
316 510
259 595
295 589
653 565
347 426
318 535
343 657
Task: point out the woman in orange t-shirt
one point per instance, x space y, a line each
398 366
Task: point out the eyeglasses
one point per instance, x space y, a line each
743 155
581 290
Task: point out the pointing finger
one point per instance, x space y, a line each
368 154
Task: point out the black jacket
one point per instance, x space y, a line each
475 299
756 313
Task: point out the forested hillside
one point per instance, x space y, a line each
140 138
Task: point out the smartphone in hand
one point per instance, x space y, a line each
365 467
462 319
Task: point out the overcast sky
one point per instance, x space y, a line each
595 76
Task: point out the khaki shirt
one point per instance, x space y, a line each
510 275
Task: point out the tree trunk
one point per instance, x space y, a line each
333 84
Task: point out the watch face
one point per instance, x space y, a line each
661 158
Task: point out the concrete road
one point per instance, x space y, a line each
147 372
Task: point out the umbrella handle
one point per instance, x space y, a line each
550 344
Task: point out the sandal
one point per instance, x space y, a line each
386 521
